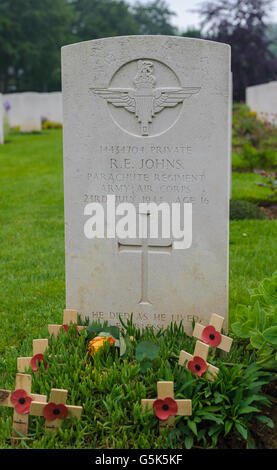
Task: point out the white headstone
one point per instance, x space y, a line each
25 111
51 106
146 118
1 119
263 100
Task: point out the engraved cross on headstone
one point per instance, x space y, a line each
145 247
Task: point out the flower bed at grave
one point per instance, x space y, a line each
254 161
253 141
110 382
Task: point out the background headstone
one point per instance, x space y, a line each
182 155
51 107
230 132
25 111
34 107
1 119
263 100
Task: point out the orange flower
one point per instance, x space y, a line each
98 342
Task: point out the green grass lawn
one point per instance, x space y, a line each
32 284
32 289
31 235
247 186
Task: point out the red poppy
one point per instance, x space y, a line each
165 408
36 360
211 336
21 401
52 411
198 366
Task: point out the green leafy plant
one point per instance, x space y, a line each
97 329
240 209
146 353
254 141
223 409
248 128
258 322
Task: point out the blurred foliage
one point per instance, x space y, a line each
192 33
31 35
242 24
240 209
154 18
272 36
51 125
254 140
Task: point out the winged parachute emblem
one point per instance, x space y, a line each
145 101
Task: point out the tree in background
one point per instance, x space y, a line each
32 33
242 25
105 18
154 18
192 33
96 19
272 37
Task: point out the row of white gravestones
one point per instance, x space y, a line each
263 100
27 110
1 119
147 119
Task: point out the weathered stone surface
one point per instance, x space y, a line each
263 100
114 146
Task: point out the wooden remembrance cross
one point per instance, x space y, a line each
55 410
198 361
69 316
39 348
144 247
166 390
20 401
212 332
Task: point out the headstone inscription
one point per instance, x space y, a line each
146 119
